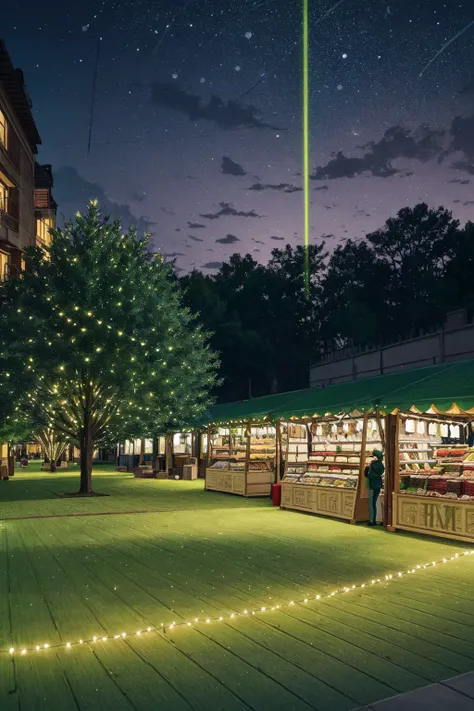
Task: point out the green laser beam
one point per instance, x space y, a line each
306 140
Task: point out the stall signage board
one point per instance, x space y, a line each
451 519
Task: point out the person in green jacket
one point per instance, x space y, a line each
374 473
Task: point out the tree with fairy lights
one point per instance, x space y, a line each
95 343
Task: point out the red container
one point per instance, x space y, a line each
276 494
468 487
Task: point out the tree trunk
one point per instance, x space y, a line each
87 447
53 466
154 462
142 452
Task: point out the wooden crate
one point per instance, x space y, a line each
239 482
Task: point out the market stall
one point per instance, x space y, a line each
202 453
324 461
433 466
242 459
182 454
133 453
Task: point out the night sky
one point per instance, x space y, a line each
196 133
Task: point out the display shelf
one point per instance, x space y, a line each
418 449
439 499
410 462
250 459
333 484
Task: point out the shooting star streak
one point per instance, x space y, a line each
444 47
169 27
288 51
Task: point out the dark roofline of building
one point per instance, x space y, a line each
14 84
43 175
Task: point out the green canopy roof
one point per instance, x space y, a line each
439 385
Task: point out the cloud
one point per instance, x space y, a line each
277 239
325 236
138 197
463 165
167 211
257 241
397 142
461 181
281 187
177 229
228 239
73 193
195 239
318 187
229 167
462 132
196 226
469 87
468 202
212 265
226 114
173 255
227 210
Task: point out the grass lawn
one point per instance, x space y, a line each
186 553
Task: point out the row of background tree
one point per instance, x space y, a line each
397 282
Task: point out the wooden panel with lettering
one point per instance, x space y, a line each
329 502
303 497
348 501
238 483
286 495
447 518
211 479
224 481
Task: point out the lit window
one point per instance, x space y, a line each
3 129
4 262
43 235
3 194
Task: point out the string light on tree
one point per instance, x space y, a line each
93 353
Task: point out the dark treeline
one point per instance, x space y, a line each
397 282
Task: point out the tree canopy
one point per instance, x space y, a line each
96 344
396 282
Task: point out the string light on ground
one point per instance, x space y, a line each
164 629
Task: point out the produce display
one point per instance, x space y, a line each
328 454
429 467
347 481
229 451
241 460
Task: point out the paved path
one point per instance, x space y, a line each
456 694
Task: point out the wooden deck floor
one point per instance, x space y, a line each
203 555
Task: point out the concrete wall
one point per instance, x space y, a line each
454 342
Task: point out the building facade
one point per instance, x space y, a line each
45 205
453 342
19 141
